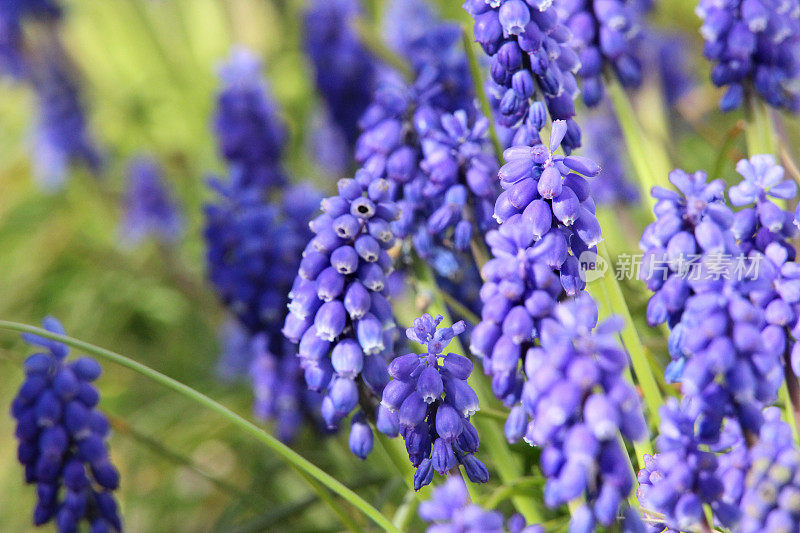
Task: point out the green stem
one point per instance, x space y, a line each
406 510
641 366
322 493
290 456
758 133
504 492
650 162
480 90
508 466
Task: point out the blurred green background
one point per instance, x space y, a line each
149 73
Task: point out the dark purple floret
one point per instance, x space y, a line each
606 35
345 72
531 64
62 439
433 403
150 209
755 45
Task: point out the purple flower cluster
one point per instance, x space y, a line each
253 251
771 500
695 221
547 220
530 53
62 439
604 32
723 283
451 511
433 48
580 405
338 312
439 167
682 477
753 43
250 134
433 404
150 209
254 241
62 134
345 72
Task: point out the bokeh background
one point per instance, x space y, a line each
149 72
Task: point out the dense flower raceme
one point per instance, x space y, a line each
682 476
62 439
754 43
253 254
433 48
338 312
546 220
150 209
532 64
450 511
439 167
724 278
251 136
580 404
433 402
604 32
345 72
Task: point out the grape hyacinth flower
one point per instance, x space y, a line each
345 72
453 195
433 48
547 221
682 477
433 402
771 500
62 438
150 209
438 165
690 223
755 44
451 511
251 136
339 314
253 252
530 54
604 33
62 135
714 274
579 404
